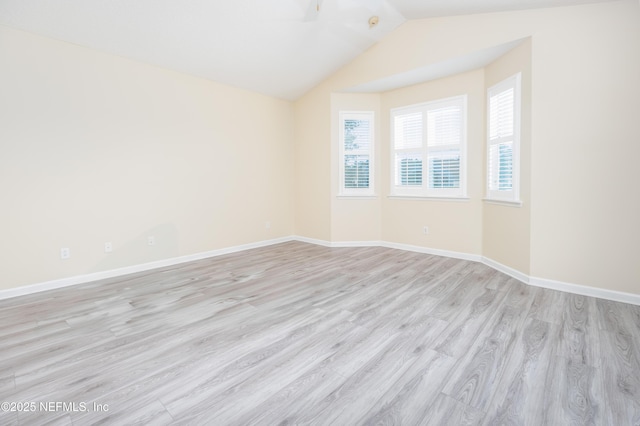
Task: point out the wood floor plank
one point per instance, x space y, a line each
345 404
410 399
298 333
480 370
579 337
547 306
302 394
447 411
522 390
9 418
253 366
266 381
581 388
51 419
620 362
7 381
465 328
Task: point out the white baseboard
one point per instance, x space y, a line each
613 295
356 244
335 244
583 290
113 273
399 246
506 270
616 296
315 241
600 293
435 252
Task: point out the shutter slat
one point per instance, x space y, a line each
429 143
501 114
444 170
444 126
501 167
408 131
356 171
357 144
357 135
409 169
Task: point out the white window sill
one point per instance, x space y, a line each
422 197
508 203
357 197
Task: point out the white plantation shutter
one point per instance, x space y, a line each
356 153
503 140
501 116
409 169
445 126
408 131
356 171
408 149
428 148
444 141
444 169
360 131
501 167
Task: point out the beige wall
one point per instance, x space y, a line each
353 218
506 229
584 108
312 165
453 225
586 146
97 148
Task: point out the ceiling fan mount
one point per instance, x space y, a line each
313 10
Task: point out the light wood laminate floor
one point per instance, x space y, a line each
302 334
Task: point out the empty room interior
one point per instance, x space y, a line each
320 212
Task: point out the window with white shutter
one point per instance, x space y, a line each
503 140
428 149
356 153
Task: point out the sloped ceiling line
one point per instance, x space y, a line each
264 46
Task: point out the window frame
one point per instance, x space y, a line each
357 115
423 191
509 197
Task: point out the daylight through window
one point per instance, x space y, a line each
429 148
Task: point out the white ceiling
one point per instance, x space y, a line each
417 9
280 48
430 72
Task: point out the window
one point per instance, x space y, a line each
429 147
356 153
503 140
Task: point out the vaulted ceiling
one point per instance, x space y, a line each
280 48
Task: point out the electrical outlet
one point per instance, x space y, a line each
65 253
151 241
425 230
267 225
108 248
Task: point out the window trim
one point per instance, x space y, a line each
356 192
512 197
423 192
